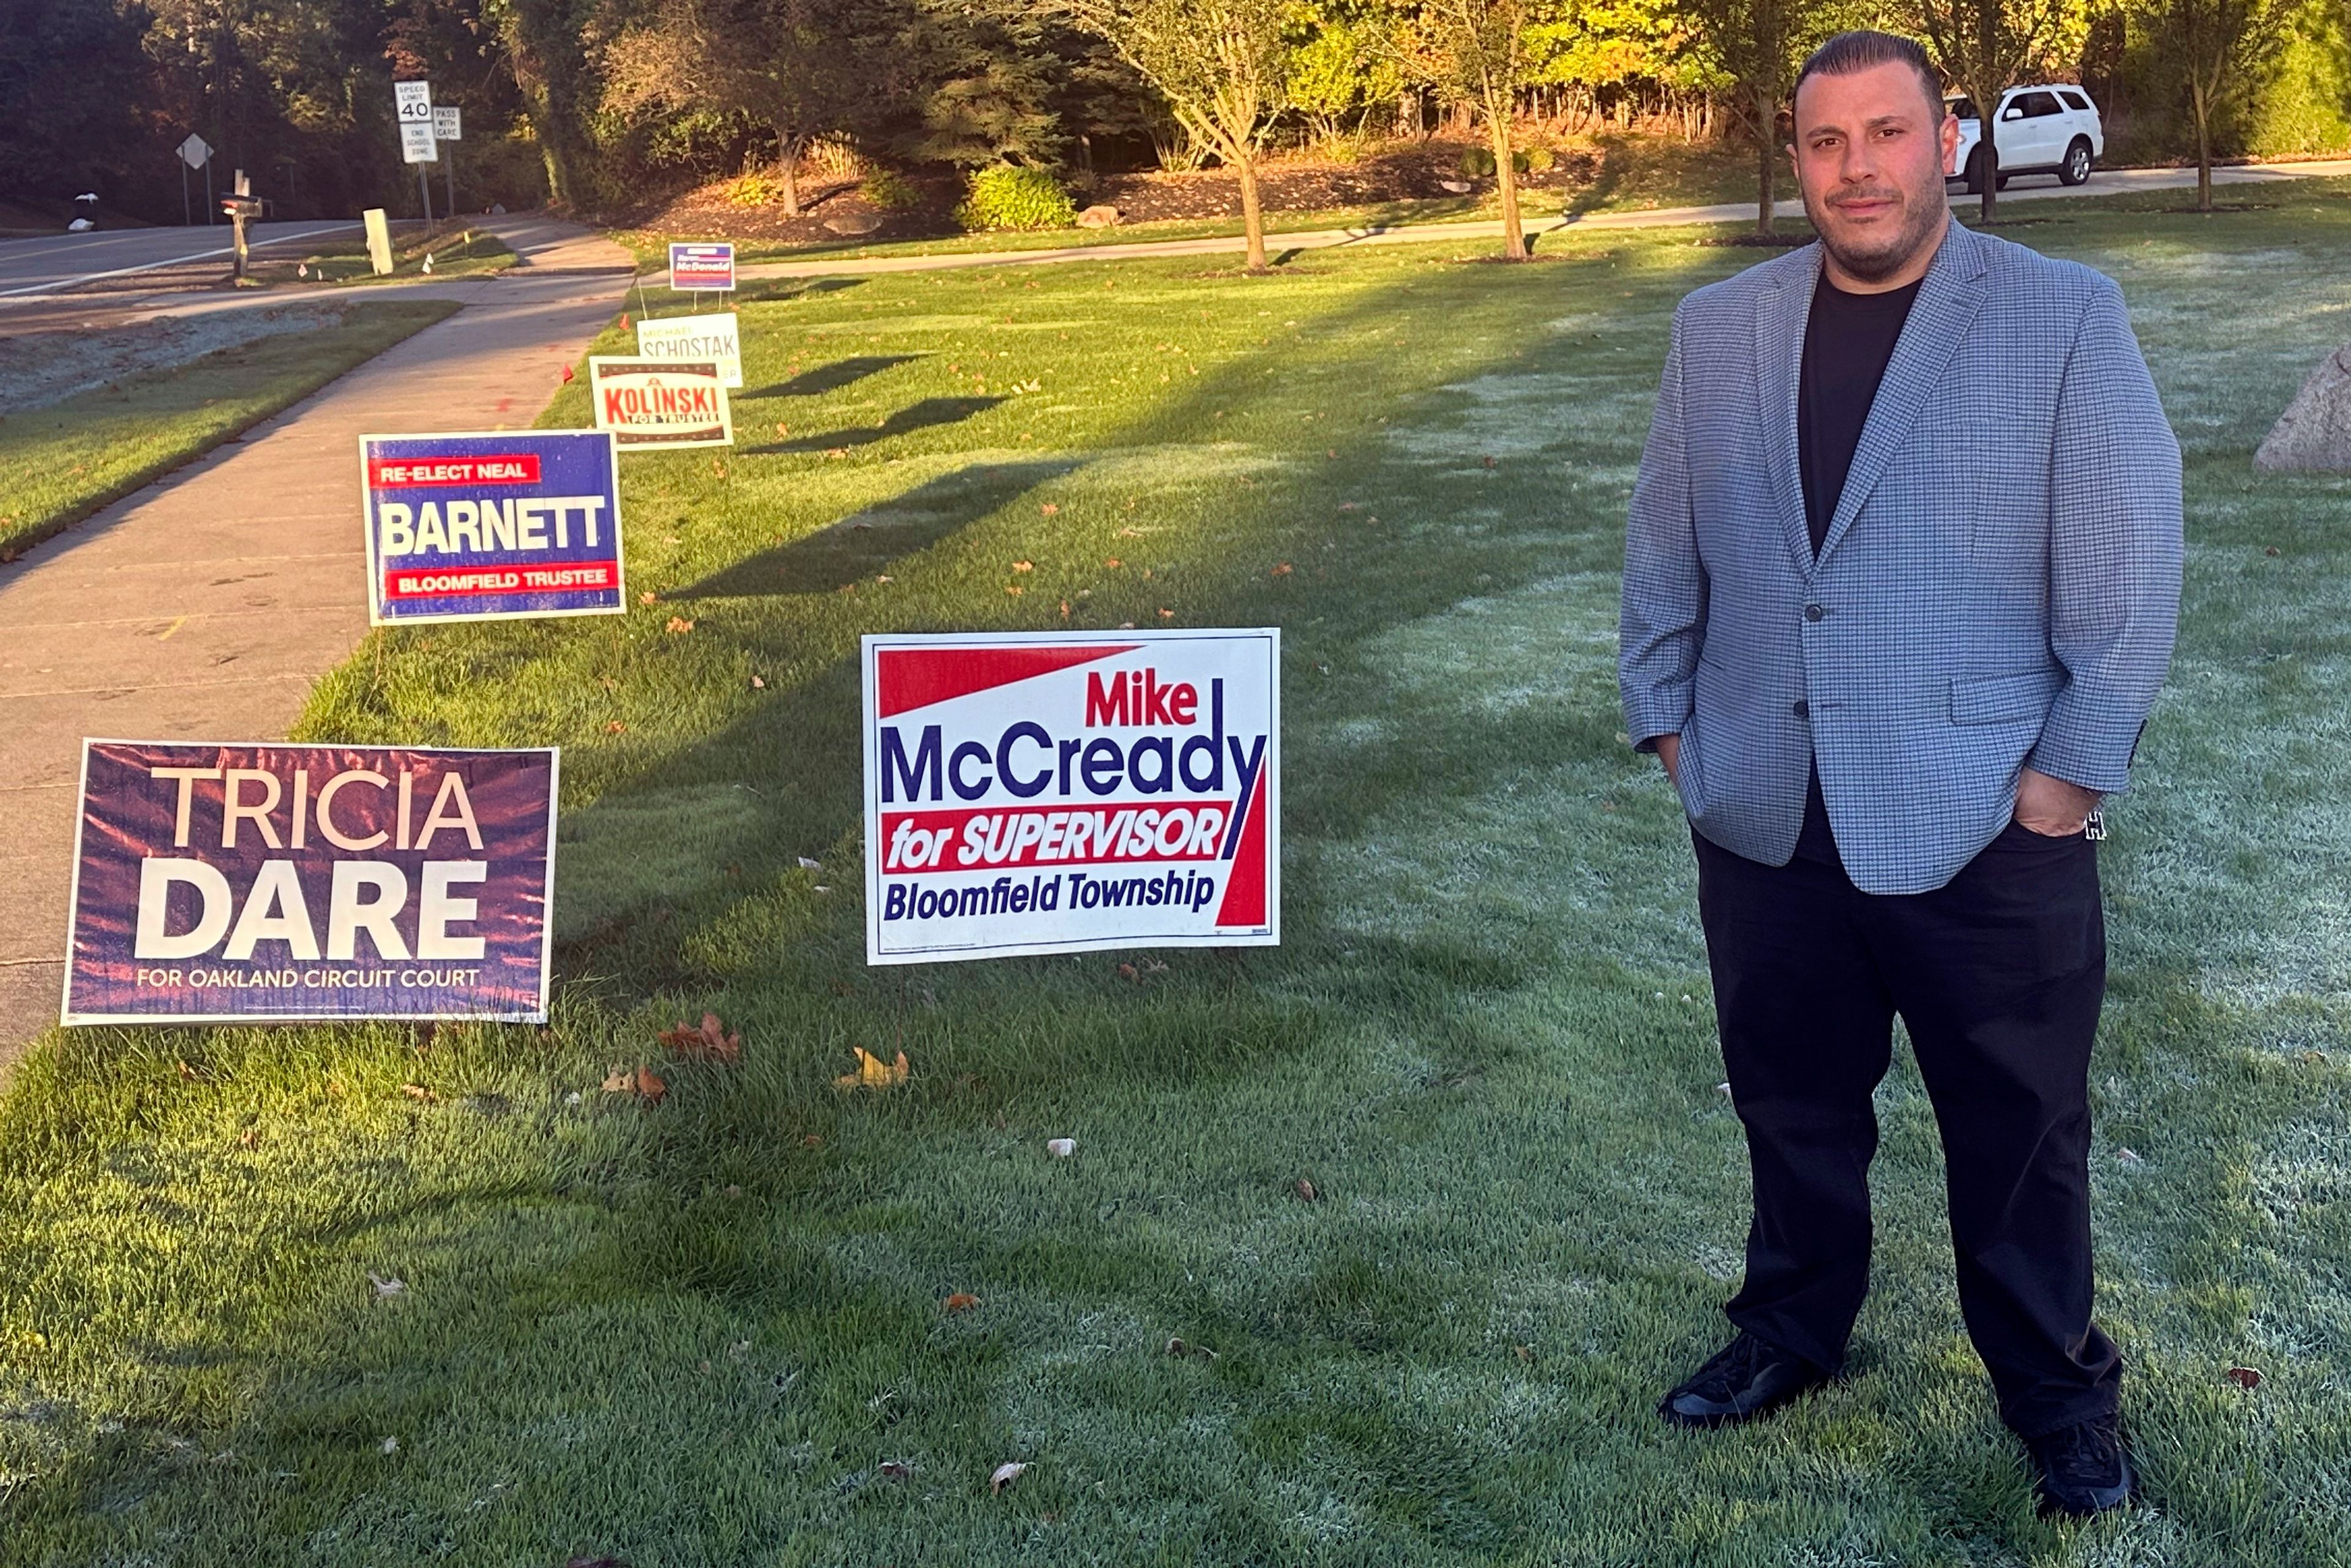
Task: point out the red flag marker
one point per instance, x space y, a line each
567 374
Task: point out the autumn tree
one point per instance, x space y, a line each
1475 52
1988 46
2213 50
802 68
1221 65
1760 45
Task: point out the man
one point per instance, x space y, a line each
1901 583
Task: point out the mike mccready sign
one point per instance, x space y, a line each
245 884
1056 793
496 526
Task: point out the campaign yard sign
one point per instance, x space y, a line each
492 527
1058 792
697 267
242 884
653 403
711 337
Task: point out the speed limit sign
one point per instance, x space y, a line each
414 99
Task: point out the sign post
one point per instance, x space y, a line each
258 883
448 127
1066 792
413 101
193 154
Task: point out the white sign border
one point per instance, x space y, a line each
66 1017
726 405
872 643
375 570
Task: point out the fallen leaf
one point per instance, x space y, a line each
1166 614
1061 1148
1024 566
808 865
1526 1352
1006 1474
2129 1156
711 1042
895 1470
1307 1190
648 597
249 1137
2270 551
783 429
616 728
961 1301
757 685
872 1072
1050 509
678 625
644 1083
391 1445
1013 589
1112 562
1128 972
418 1092
1281 570
2244 1377
387 1286
595 1562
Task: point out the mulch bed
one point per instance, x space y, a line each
1417 172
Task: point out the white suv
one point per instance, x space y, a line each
2052 128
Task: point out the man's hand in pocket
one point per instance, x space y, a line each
1670 752
2049 807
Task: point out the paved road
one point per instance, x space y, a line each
42 266
2024 188
205 606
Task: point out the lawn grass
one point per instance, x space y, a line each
1638 173
66 461
693 1332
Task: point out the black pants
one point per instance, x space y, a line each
1998 976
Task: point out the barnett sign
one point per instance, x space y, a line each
647 403
492 527
1061 793
711 337
701 266
250 883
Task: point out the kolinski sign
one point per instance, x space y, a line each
227 883
1062 792
660 402
496 526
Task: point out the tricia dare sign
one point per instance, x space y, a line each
238 884
495 527
660 402
699 267
1062 792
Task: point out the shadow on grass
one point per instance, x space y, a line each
927 415
863 542
833 377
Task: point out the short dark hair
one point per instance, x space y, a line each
1863 48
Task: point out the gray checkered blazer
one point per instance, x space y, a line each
1999 584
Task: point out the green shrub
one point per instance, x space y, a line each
1537 161
889 189
757 189
1009 197
1478 162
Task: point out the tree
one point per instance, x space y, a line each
2214 50
1987 46
1222 66
1475 52
797 67
1760 45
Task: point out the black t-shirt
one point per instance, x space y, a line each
1848 339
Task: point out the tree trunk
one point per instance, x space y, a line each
789 148
1252 215
1767 160
1987 119
2201 106
1506 178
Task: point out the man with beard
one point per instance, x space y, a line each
1901 581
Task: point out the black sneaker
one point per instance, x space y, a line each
2083 1469
1747 1379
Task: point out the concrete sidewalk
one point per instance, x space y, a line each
2106 183
205 607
